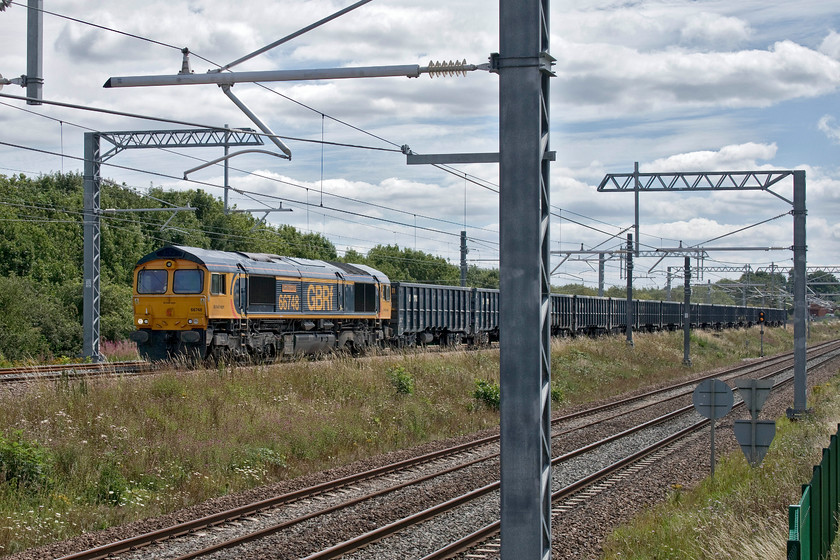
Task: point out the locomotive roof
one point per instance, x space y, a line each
264 263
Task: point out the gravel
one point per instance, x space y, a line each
579 526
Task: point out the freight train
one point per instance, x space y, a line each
197 304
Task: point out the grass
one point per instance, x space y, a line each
112 351
105 452
742 513
587 369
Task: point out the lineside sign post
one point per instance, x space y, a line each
713 399
754 435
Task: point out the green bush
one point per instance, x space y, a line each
112 486
24 464
269 457
488 393
402 381
557 394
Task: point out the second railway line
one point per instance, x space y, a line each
329 526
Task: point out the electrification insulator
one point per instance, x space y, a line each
451 68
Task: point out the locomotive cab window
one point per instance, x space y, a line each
386 292
218 284
151 282
188 281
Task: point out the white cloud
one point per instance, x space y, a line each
651 26
735 158
831 45
602 80
827 126
715 30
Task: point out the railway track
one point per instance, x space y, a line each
23 374
439 487
49 372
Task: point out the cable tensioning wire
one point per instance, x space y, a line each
240 191
209 233
258 175
441 167
344 123
186 123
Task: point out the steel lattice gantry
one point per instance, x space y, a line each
524 67
744 180
92 210
700 181
190 138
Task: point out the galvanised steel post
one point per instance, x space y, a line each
524 68
92 215
227 169
630 315
668 285
800 312
34 51
746 285
636 192
90 288
601 274
687 313
464 252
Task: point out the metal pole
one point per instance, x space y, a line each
668 286
524 71
713 422
630 314
464 258
636 192
601 259
762 339
709 293
687 315
800 312
227 169
744 291
34 50
90 288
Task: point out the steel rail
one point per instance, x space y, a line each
62 371
242 511
392 528
351 545
482 535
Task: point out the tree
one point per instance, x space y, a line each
409 265
33 322
41 258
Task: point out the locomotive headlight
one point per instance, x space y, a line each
139 321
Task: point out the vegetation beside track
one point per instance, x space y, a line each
83 455
743 513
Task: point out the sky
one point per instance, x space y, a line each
673 85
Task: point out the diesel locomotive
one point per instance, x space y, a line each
198 303
195 304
